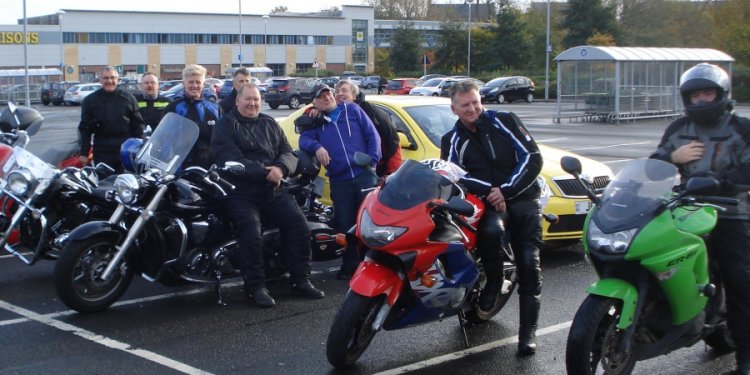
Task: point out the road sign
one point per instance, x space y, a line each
315 63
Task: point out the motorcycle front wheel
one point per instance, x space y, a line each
78 275
351 330
594 339
510 278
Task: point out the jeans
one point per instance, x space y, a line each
347 196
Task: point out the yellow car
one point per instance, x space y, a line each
422 121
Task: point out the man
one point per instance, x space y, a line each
204 112
503 162
390 145
341 131
150 103
111 116
240 77
257 141
711 141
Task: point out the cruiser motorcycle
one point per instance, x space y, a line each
421 263
168 226
658 290
41 204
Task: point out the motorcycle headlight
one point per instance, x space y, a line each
614 243
20 181
126 188
374 235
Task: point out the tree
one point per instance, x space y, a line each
400 9
508 48
732 29
405 48
450 55
583 18
279 9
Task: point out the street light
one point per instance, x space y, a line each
547 50
468 55
240 36
265 38
62 58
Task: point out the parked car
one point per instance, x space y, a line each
370 82
76 93
428 77
430 87
226 87
54 92
452 81
166 85
508 89
178 90
330 81
215 83
290 91
131 86
355 80
421 123
401 86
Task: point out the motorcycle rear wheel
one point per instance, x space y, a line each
510 280
78 275
593 341
351 330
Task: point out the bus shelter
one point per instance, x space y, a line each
623 83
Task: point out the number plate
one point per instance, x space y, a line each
583 207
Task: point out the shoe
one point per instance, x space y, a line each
261 298
306 289
488 297
529 315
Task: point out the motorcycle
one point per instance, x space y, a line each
658 290
41 204
421 264
168 226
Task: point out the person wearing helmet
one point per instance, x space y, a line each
710 140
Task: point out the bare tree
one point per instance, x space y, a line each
400 9
279 9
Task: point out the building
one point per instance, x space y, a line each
136 42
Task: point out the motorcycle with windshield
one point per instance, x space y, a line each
658 290
421 263
41 204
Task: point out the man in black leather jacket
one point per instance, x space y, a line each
111 116
503 163
150 103
256 140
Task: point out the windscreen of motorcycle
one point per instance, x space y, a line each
635 194
412 184
36 167
170 143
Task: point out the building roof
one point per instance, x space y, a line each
642 54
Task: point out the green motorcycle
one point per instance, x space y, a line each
658 291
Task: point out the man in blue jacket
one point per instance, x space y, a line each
340 131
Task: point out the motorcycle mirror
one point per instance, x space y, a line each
234 167
362 159
571 165
701 186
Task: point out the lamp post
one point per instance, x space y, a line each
240 35
547 49
265 39
468 55
62 58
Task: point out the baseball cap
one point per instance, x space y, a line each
320 90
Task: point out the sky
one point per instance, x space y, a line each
12 10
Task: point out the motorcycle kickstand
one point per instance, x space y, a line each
462 324
217 289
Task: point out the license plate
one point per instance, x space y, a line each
583 207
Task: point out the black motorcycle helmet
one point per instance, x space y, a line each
23 118
700 77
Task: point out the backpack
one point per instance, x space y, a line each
389 141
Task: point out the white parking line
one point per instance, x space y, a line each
471 351
610 146
101 340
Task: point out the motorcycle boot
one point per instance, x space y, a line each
529 315
258 293
303 287
493 286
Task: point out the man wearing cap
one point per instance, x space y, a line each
341 130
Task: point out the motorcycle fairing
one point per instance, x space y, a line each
621 290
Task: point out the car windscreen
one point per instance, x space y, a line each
497 82
278 82
433 82
395 85
434 120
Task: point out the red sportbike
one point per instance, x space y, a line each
419 233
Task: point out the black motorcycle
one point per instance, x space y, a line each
167 227
40 203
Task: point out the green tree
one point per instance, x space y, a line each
509 48
732 29
405 48
400 9
450 55
583 18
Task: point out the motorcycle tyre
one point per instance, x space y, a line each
476 315
351 330
594 324
720 340
70 260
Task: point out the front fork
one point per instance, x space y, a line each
144 215
23 208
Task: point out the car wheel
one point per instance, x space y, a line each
45 102
500 99
56 104
529 98
273 105
435 94
294 102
